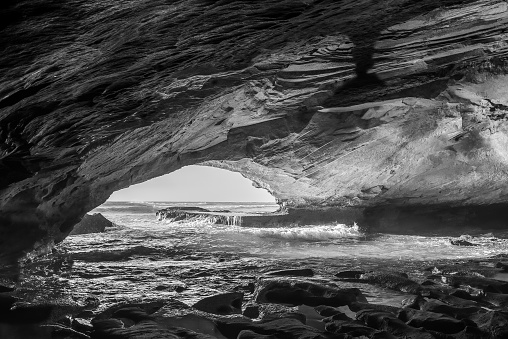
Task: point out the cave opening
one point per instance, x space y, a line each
196 183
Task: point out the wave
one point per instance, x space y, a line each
309 233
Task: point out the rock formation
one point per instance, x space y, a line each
91 223
389 111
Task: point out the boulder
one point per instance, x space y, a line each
393 281
295 292
437 306
94 223
432 321
222 304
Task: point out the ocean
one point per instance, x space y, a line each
142 258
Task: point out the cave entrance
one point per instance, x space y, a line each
196 184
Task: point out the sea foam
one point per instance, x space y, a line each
308 233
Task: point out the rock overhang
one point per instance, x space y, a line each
347 106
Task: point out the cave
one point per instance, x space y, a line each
333 117
388 114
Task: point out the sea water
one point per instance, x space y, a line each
142 258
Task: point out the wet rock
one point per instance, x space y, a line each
454 300
95 223
267 317
394 281
251 311
357 306
147 329
349 274
437 306
502 266
352 328
248 334
462 242
390 323
223 304
82 325
338 316
327 311
472 333
415 302
146 307
486 284
303 272
432 321
296 293
106 324
280 328
497 299
494 323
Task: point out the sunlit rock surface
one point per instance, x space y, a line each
369 109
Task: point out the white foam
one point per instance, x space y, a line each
310 232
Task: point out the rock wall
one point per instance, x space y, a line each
375 107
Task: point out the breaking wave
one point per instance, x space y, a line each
309 233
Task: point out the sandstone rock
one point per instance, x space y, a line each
227 303
95 223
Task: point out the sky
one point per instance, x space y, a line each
195 183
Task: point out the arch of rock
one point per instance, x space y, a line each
364 109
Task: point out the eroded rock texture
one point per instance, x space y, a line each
376 108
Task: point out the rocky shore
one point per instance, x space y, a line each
442 301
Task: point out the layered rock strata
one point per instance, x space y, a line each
383 110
